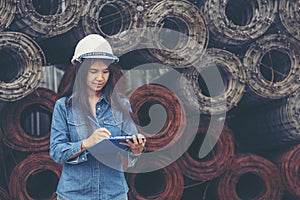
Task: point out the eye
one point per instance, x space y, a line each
93 71
106 71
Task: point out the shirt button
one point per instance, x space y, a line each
83 159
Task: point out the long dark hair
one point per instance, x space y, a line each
76 86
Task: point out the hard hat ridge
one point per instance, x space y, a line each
93 46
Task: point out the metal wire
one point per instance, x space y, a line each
127 15
35 24
14 136
192 40
28 58
290 16
289 166
251 164
33 164
3 194
234 86
7 13
225 31
252 60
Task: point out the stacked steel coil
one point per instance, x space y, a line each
180 20
289 167
238 22
222 95
175 122
19 52
26 173
215 163
290 17
250 177
7 13
120 21
164 183
280 125
58 18
14 135
281 80
3 194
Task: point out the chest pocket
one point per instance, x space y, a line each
77 129
114 126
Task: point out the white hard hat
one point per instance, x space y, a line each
93 46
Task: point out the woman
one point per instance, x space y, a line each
90 112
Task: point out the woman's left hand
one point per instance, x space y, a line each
137 145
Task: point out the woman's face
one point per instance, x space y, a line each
97 76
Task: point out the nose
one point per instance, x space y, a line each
99 77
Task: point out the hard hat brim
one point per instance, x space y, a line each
101 55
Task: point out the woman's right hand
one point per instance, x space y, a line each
98 135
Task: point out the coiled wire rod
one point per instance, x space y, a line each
250 177
290 16
21 61
121 21
3 194
43 21
272 66
181 36
37 166
289 168
15 135
239 22
7 13
218 97
215 163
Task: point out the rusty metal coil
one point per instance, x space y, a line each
265 76
176 19
121 21
25 58
173 128
60 17
290 16
250 177
34 165
239 22
7 13
221 99
14 134
165 183
280 125
3 194
215 163
289 168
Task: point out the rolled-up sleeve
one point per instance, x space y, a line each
62 149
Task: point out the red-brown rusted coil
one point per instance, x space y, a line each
175 121
14 136
166 183
32 166
289 165
215 163
3 194
259 178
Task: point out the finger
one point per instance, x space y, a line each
140 138
105 131
134 139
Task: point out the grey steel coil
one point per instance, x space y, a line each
181 36
215 163
289 167
121 21
7 13
165 183
250 177
142 99
3 194
22 60
14 134
272 66
36 167
290 16
238 22
216 99
269 126
59 17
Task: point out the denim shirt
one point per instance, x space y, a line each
85 177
